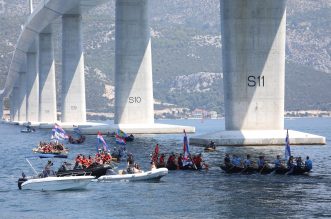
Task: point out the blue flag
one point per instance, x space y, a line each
287 147
186 147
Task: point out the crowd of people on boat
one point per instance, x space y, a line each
178 161
100 158
282 166
119 153
50 147
210 147
132 167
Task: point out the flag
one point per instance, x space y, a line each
287 147
186 147
58 133
120 140
156 150
121 133
101 140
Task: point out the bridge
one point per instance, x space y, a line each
253 35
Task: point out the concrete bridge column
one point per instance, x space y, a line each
14 101
133 69
11 108
73 101
1 109
253 39
22 95
47 88
32 99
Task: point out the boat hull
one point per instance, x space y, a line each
57 183
267 170
153 175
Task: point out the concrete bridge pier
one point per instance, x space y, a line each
133 69
134 103
11 107
253 39
47 88
15 103
1 109
32 99
73 79
22 97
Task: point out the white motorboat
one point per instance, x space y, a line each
155 174
28 130
49 182
52 183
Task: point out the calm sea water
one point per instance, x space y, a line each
181 194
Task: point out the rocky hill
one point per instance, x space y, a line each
186 47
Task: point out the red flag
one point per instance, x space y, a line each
156 150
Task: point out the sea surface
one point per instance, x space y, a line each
180 194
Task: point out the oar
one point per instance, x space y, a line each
244 169
262 169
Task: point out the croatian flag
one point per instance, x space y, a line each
101 140
120 140
287 147
121 134
58 133
186 147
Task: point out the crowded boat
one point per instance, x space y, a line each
291 166
79 140
210 147
175 161
48 179
95 165
76 137
50 148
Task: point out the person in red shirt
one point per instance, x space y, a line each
161 161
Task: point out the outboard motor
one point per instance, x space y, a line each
20 181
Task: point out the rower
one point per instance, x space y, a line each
180 161
227 160
198 162
290 163
278 162
247 161
236 161
261 162
308 164
161 161
299 162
